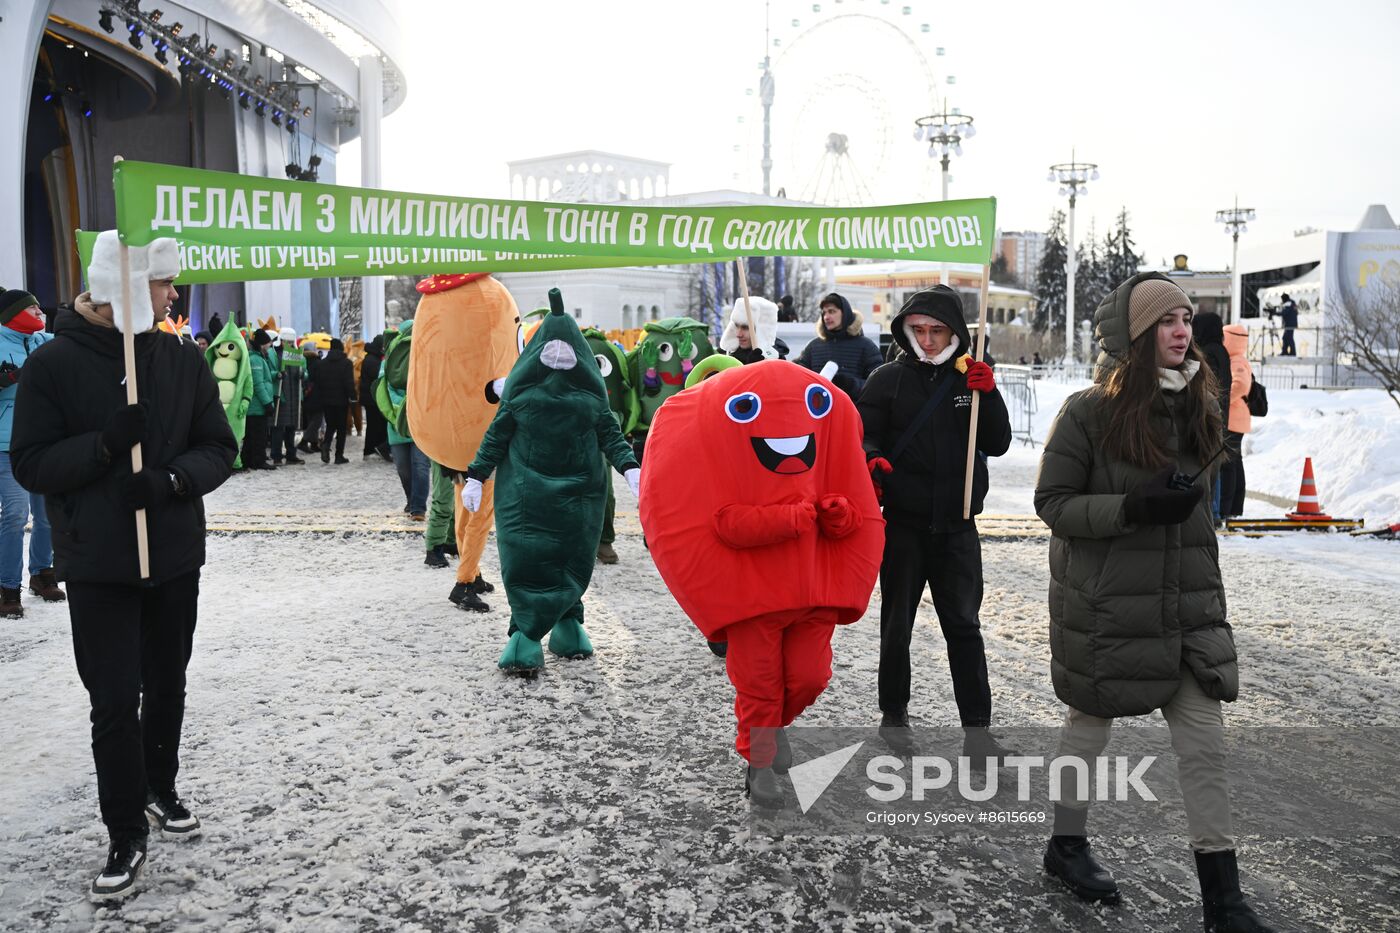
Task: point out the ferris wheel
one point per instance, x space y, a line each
848 76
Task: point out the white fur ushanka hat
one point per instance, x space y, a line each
159 260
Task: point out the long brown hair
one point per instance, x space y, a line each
1128 394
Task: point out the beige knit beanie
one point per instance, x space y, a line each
1149 301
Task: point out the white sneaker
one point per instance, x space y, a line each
172 817
118 879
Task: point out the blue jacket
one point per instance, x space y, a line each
14 348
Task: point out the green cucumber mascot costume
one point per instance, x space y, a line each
612 363
548 439
227 357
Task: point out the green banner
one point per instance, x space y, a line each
206 263
328 230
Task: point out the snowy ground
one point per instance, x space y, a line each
360 763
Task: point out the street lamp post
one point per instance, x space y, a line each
1236 220
1073 178
944 132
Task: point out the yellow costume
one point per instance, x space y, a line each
465 337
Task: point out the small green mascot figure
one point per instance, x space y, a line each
548 440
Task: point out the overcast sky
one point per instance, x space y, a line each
1290 105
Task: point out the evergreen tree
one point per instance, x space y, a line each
1121 258
1050 278
1091 279
1001 275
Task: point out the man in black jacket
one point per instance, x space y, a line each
839 338
376 428
73 435
335 389
917 414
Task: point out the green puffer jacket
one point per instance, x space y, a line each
1129 604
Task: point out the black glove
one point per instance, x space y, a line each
149 488
846 383
1155 502
9 374
126 427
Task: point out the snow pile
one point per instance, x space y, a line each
1353 438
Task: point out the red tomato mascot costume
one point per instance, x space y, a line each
760 515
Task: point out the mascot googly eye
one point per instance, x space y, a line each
604 365
743 408
665 352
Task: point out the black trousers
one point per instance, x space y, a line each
335 427
255 441
132 645
1232 477
376 429
284 443
1288 347
311 429
950 564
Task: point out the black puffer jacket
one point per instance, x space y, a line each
369 369
926 488
71 386
334 381
855 354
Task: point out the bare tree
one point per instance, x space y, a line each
351 306
1368 331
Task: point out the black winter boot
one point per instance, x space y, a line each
1224 905
435 557
761 786
1068 858
895 731
479 586
782 757
10 607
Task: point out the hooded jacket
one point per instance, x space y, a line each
925 490
264 382
855 354
71 386
369 369
1129 604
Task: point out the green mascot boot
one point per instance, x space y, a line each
522 655
569 640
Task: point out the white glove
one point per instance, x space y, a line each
634 481
499 387
471 494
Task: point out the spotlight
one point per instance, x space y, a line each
291 126
293 170
156 15
177 29
212 50
87 108
51 96
136 33
160 55
193 42
260 108
306 112
276 117
104 19
243 99
313 162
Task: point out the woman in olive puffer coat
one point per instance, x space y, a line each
1137 605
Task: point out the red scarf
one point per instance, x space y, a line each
25 322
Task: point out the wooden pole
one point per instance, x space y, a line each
976 396
744 292
143 547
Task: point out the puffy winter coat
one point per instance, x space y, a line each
14 348
264 389
334 381
71 386
1206 330
1241 378
1129 604
855 354
925 489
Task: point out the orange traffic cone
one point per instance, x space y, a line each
1309 508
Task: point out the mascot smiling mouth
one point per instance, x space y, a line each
673 379
786 454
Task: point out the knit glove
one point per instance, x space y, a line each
147 489
125 428
634 481
9 374
979 377
1156 503
471 494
